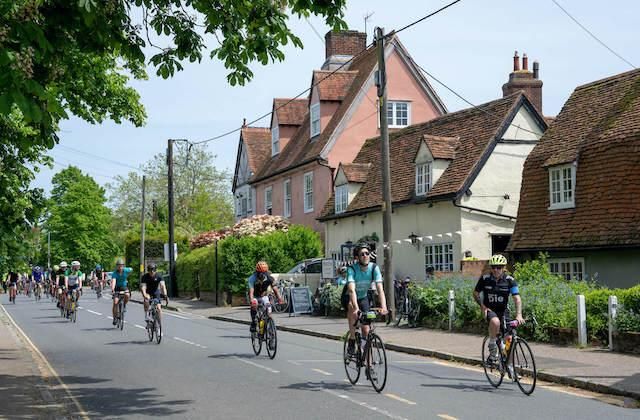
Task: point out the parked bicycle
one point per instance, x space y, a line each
407 304
369 353
154 324
121 309
515 358
265 332
284 286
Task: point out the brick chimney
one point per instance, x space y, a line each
524 80
341 46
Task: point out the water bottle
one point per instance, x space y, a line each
507 344
501 346
262 326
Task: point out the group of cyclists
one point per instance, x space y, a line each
64 282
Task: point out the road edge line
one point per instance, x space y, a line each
81 411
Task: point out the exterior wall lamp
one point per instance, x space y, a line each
414 238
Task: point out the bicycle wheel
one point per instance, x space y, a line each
256 342
284 306
158 328
414 315
121 314
524 366
351 362
74 313
271 338
376 362
400 312
151 328
493 370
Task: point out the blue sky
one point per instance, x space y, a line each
469 47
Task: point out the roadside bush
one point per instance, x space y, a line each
627 320
200 262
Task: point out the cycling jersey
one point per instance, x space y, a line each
121 278
260 284
37 276
13 278
363 279
496 291
98 274
153 284
60 277
73 277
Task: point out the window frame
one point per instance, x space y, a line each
561 192
275 140
394 113
314 108
428 173
445 253
287 197
571 261
268 204
342 198
308 207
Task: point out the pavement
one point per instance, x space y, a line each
593 369
206 368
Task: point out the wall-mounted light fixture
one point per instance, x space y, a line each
414 238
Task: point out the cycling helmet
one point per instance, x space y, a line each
75 263
498 259
262 267
360 247
63 264
342 269
98 267
151 267
36 269
56 268
119 261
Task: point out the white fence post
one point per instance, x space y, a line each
613 310
452 308
582 321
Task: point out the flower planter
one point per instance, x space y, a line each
626 342
565 336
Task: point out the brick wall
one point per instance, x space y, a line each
344 43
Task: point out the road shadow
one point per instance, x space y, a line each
319 386
472 388
46 317
437 377
233 355
61 321
244 337
118 343
99 329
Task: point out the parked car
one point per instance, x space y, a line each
310 266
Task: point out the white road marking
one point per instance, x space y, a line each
447 417
256 365
139 326
110 317
398 398
184 341
80 307
175 316
294 362
363 404
94 312
323 372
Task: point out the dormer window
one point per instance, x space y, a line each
275 140
562 181
423 178
314 115
342 198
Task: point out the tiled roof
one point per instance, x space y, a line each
599 129
476 130
356 172
300 149
290 112
334 85
442 147
257 140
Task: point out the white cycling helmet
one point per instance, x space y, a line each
63 264
75 263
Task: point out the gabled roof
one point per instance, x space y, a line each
257 141
598 129
290 111
477 131
355 172
442 147
335 85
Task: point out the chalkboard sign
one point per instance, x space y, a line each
300 300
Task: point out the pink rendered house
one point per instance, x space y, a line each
309 138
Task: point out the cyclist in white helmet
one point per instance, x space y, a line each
73 279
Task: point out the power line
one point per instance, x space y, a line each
115 162
415 22
66 165
592 34
314 30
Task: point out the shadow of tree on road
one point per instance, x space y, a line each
233 355
117 343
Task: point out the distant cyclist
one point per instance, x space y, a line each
38 277
152 287
259 283
98 277
119 283
60 283
73 280
12 281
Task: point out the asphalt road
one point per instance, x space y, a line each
206 369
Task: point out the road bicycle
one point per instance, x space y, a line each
515 358
37 292
98 288
154 323
71 310
121 309
265 332
284 287
369 353
407 305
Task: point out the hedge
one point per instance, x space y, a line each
153 248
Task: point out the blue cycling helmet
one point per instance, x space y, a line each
98 267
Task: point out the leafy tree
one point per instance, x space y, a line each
79 222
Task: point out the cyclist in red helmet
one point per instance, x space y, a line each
259 283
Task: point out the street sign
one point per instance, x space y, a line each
328 268
166 251
300 300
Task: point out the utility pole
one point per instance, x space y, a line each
172 263
48 251
144 180
381 83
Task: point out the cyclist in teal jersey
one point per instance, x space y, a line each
119 284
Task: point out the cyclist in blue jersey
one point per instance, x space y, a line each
119 283
38 277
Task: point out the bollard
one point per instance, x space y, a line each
452 308
613 310
582 321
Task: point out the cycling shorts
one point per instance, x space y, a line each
72 288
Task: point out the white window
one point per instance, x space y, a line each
308 192
268 204
314 113
439 256
250 200
287 198
342 198
423 178
275 140
398 114
562 182
569 268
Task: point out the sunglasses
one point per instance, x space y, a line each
497 267
364 254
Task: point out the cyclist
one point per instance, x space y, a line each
60 283
341 280
119 283
259 283
360 275
38 278
98 277
152 286
496 288
73 280
12 281
27 283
